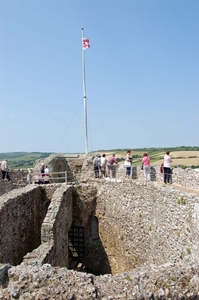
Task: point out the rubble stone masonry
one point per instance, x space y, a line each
141 239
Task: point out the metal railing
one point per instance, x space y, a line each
66 176
58 177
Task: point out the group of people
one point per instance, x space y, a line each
145 165
39 178
4 169
105 167
42 177
166 167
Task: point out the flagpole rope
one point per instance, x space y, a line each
116 147
90 138
79 136
67 128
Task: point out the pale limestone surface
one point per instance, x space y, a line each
148 231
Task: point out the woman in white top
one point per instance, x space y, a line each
103 165
127 164
167 168
46 170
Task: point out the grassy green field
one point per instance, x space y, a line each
18 160
182 156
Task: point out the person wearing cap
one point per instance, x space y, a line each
110 162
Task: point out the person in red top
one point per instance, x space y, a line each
146 166
110 162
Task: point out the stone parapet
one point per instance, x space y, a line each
185 177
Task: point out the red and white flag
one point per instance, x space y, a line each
85 43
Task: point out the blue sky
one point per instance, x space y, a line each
142 74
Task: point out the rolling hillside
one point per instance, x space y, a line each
17 160
182 156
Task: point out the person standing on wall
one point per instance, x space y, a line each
42 170
110 162
46 175
28 180
127 163
46 170
146 166
4 169
96 165
103 165
167 167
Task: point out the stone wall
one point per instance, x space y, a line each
143 233
126 224
58 163
20 225
148 232
95 259
18 177
69 206
56 226
53 247
150 283
5 186
147 224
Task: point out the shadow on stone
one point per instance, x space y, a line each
134 173
95 259
153 174
24 214
4 280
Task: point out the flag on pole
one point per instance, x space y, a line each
85 43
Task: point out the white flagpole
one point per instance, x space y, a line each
84 93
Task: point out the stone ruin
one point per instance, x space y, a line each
99 238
